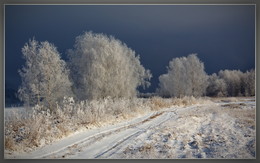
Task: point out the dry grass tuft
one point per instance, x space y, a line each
9 143
157 103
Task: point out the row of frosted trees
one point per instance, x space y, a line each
99 66
186 77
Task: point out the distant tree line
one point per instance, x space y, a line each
232 83
99 66
186 77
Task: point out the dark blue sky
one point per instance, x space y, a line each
222 35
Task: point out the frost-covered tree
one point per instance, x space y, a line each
175 82
103 66
185 77
233 79
45 79
248 83
217 87
197 77
232 83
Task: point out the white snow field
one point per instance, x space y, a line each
214 130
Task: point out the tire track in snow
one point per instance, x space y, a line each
90 138
111 143
109 152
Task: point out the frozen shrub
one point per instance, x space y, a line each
158 103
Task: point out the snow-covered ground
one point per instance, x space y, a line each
215 130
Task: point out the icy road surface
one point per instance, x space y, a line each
216 130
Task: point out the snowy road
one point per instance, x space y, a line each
199 131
